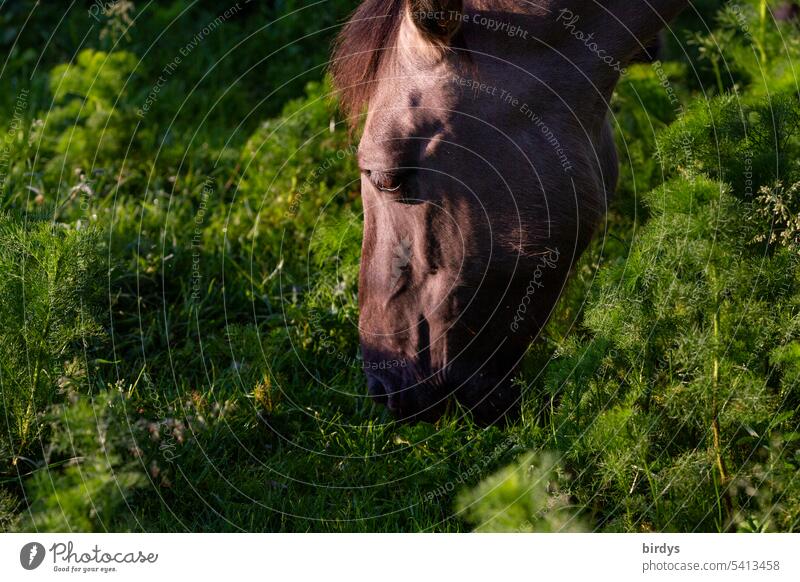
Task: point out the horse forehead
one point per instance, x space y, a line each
413 102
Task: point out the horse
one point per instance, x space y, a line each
487 162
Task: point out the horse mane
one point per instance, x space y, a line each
359 51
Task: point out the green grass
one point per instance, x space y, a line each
179 300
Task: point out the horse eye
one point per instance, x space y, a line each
386 181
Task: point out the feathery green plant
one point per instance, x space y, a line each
91 467
666 385
529 496
48 290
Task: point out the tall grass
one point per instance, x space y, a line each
179 340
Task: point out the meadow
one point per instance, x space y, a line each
180 232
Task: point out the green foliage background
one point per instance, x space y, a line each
179 242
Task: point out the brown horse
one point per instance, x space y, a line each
487 162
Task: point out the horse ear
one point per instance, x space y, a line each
439 20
